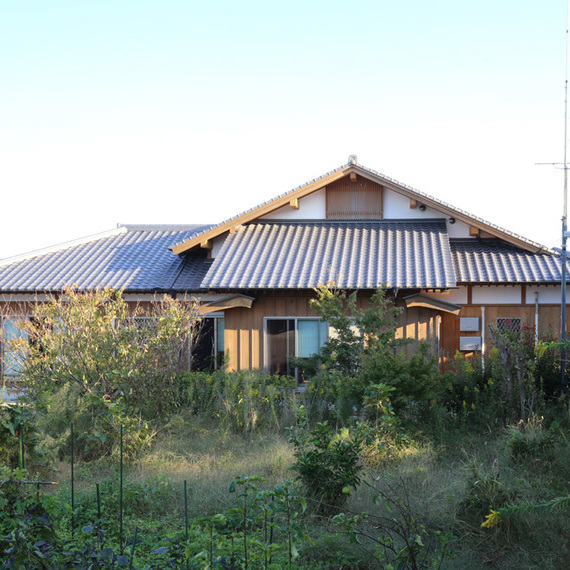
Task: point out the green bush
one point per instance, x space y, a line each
484 491
97 426
327 463
97 343
362 353
530 443
17 427
474 398
243 401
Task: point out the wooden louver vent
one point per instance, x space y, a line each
359 200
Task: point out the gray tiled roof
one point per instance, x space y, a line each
494 261
133 258
278 254
363 254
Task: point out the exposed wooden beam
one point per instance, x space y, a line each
353 177
207 244
233 302
261 211
421 300
413 203
362 173
294 203
473 231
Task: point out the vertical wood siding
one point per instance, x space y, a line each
360 200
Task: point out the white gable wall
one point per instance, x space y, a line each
396 207
311 207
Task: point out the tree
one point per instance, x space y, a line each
360 360
107 350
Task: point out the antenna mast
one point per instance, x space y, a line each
564 212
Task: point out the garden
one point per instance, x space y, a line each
117 456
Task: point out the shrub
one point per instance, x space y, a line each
474 397
484 491
243 401
328 464
97 426
17 427
361 353
96 342
531 443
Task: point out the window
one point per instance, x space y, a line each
292 337
10 359
510 325
208 354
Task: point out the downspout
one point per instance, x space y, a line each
483 338
535 317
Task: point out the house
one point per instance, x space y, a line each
451 272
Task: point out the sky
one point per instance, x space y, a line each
182 112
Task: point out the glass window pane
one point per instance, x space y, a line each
12 360
220 340
308 341
281 345
323 333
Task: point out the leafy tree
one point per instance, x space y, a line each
107 350
361 357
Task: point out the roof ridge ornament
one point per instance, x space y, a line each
352 159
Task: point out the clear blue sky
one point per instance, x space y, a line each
185 112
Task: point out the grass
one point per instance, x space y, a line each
446 487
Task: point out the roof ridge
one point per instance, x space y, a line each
163 227
459 210
537 245
298 222
63 245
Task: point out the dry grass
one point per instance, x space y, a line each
435 480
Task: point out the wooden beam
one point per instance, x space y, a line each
473 231
236 301
207 244
453 213
353 177
261 211
413 203
294 203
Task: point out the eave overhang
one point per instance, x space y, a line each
425 301
230 302
291 198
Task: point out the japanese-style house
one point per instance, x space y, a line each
451 272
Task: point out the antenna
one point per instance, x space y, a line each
563 262
565 233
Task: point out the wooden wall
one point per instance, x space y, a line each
244 328
548 323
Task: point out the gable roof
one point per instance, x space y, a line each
291 197
134 258
267 254
353 255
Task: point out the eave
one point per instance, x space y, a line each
477 225
289 199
